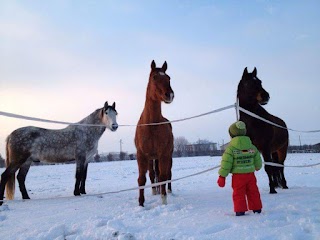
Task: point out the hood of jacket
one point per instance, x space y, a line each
241 142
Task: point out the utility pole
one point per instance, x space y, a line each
300 143
120 146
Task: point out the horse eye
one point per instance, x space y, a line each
258 84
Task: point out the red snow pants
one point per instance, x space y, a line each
245 190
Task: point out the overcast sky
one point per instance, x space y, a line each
61 60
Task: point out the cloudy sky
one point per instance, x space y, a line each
61 60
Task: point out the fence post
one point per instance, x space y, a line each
237 109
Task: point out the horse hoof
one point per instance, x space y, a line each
273 192
76 193
285 187
169 191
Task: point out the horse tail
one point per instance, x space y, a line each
10 185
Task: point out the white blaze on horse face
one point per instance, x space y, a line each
110 119
162 73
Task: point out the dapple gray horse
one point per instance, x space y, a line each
77 142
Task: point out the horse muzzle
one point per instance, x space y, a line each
114 127
169 97
263 98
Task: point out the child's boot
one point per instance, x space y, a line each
239 213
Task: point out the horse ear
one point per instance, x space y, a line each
114 105
245 72
164 66
106 105
254 72
153 65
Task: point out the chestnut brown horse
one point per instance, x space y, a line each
271 141
155 141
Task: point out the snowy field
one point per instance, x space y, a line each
197 208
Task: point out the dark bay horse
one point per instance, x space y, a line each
271 141
155 142
75 142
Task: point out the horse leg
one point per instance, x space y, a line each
8 181
163 176
156 172
79 173
83 180
143 168
282 154
21 177
169 178
269 170
276 172
152 176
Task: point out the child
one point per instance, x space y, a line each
242 159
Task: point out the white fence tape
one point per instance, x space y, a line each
195 174
13 115
183 119
129 189
160 183
297 166
274 124
236 106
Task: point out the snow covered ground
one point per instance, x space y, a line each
197 208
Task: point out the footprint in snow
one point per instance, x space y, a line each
2 218
126 236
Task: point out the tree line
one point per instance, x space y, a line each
183 148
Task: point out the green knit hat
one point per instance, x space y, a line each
237 129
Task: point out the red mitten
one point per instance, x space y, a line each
221 181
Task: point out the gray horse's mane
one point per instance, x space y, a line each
93 118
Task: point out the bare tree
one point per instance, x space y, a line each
2 164
123 156
97 158
204 147
110 157
180 144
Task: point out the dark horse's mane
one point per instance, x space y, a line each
271 141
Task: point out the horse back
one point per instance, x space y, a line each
42 144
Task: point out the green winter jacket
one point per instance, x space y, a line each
241 156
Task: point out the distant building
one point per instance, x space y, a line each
224 146
201 149
113 156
